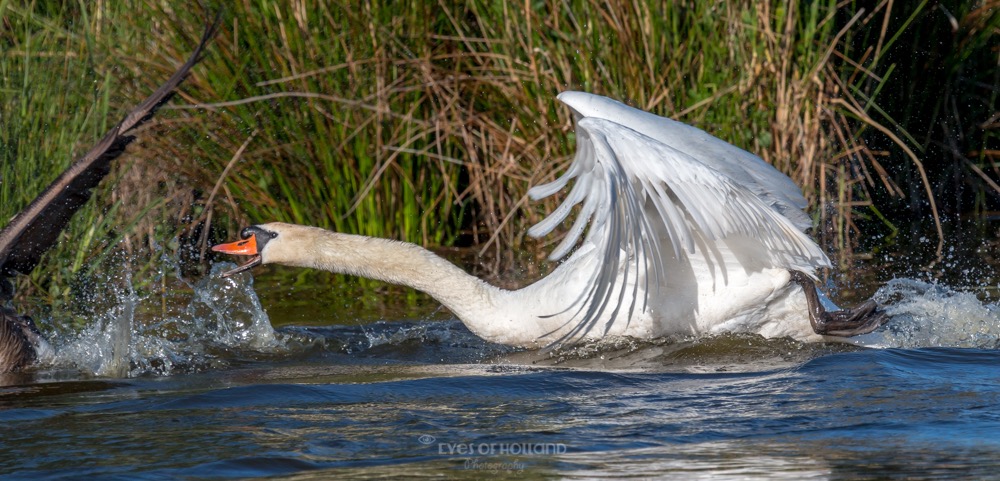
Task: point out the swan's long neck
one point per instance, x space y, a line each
468 297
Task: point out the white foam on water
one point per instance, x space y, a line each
223 322
222 316
924 314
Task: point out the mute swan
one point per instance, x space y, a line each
687 235
36 228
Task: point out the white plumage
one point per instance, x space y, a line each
685 235
653 188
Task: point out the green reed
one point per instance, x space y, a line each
428 121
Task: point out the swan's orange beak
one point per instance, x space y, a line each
244 247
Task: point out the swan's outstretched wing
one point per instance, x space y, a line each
32 231
646 181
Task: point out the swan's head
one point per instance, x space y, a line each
253 242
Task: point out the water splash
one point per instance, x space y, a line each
228 312
926 314
222 322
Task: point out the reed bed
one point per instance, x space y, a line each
428 121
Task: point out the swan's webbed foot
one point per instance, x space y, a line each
846 322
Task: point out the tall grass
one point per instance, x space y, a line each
44 127
417 88
428 121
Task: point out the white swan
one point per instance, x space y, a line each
688 235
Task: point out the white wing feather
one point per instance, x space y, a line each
638 175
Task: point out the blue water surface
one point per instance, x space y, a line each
213 391
820 412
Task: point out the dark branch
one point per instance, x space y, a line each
35 229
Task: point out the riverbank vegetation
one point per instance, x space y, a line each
428 121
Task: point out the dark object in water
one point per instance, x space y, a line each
36 228
856 321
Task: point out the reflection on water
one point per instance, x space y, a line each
924 412
212 390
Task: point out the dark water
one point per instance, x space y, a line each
211 391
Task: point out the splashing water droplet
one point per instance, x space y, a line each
222 322
924 314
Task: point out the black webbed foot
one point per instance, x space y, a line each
860 320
